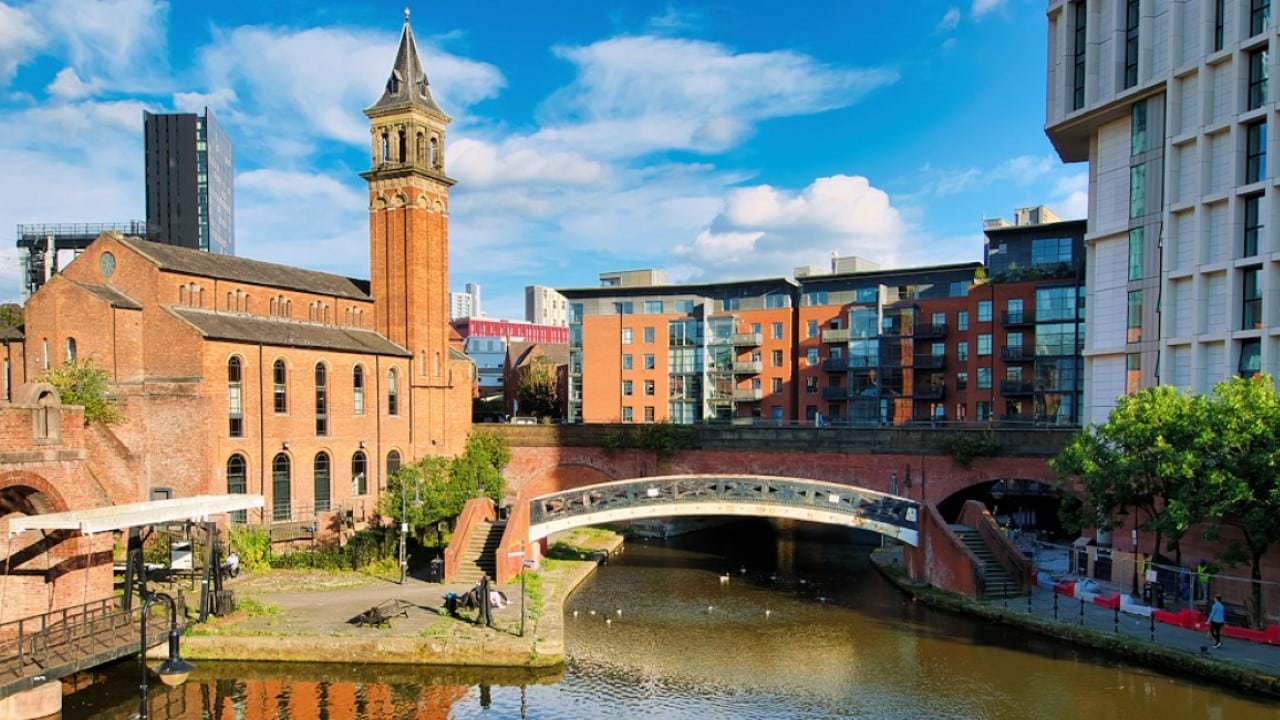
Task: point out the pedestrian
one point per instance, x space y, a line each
1217 618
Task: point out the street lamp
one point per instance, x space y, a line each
404 526
174 670
1133 543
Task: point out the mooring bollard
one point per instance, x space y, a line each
1055 605
1117 619
1153 627
1081 612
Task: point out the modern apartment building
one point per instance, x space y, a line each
465 304
949 343
545 306
1169 104
190 179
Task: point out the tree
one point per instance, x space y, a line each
538 387
82 384
480 465
10 315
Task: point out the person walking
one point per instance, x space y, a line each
1217 618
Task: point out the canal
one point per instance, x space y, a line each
751 620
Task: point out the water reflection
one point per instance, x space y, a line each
801 628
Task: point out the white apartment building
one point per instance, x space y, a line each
545 306
465 304
1168 101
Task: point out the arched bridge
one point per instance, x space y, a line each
747 495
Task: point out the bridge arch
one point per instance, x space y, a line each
723 494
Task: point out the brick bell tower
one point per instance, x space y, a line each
409 239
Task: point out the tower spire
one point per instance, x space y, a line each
407 84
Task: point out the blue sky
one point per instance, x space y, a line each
716 140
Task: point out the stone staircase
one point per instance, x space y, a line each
999 583
479 560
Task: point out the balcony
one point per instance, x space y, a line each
928 392
836 335
749 395
750 339
928 362
1015 318
1016 354
750 367
835 365
835 393
930 332
1016 387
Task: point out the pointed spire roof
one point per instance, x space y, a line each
407 84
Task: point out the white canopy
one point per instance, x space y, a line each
119 517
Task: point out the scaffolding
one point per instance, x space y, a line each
39 245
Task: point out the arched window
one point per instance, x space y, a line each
44 353
386 148
235 398
71 349
322 482
434 161
288 308
272 307
359 474
393 393
357 390
281 487
229 301
237 484
403 148
279 388
322 400
393 462
182 294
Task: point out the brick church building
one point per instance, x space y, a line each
240 376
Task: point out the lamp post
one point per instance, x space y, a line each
404 526
1133 537
174 670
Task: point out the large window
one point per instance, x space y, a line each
1134 322
322 400
962 351
1058 339
393 392
1058 303
652 307
235 398
1257 96
1131 23
1259 14
359 474
984 344
962 320
1251 299
1050 251
984 311
1135 253
1250 357
237 484
1255 152
1138 190
393 462
1079 50
281 487
648 336
1138 128
322 482
357 390
279 388
776 331
984 378
1252 224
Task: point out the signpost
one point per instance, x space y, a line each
523 564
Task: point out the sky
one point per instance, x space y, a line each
718 140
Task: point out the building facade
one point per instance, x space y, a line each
239 376
465 304
545 306
1169 103
190 178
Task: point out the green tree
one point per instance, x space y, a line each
480 465
538 388
1240 485
80 383
10 315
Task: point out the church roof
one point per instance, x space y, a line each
407 84
286 333
110 295
255 272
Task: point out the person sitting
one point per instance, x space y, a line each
232 564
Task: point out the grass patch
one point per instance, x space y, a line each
252 607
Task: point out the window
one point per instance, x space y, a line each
1138 128
1252 224
811 328
984 344
320 474
939 319
626 336
1079 50
1050 251
627 387
1131 23
1059 303
1259 14
237 484
777 331
776 358
982 411
684 306
649 361
962 351
1013 309
1251 299
393 392
648 336
648 413
776 385
652 307
962 320
71 349
1138 190
1134 323
279 388
393 462
811 357
357 390
1250 357
1133 373
815 297
962 381
1255 154
984 378
627 415
625 307
359 474
984 311
1257 96
648 387
626 361
281 487
777 300
1135 253
322 400
811 385
235 398
755 328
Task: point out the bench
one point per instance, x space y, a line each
381 614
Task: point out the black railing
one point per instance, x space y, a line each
1016 353
928 392
1016 387
928 362
1011 318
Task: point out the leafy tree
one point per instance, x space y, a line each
10 315
538 388
80 383
480 465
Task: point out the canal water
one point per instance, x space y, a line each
754 620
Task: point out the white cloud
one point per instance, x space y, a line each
219 100
1025 169
949 21
482 165
67 85
982 7
1070 196
19 39
116 44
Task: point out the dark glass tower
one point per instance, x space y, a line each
190 175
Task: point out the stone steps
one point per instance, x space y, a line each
479 559
998 582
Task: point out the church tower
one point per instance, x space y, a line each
409 240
